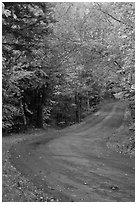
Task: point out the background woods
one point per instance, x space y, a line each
61 59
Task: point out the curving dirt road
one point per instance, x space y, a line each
75 164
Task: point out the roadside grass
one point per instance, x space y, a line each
123 141
123 138
15 187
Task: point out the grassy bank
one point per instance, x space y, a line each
123 138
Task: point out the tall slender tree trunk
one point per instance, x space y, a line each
39 111
39 120
23 114
88 102
78 107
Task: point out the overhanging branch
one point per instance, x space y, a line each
113 17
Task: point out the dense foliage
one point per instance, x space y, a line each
61 59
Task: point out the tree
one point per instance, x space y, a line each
105 31
99 38
61 68
25 58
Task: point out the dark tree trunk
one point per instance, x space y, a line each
88 102
78 107
41 97
39 120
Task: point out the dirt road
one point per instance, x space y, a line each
76 165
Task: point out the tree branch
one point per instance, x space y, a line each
113 17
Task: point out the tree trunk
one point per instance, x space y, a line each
88 104
23 114
39 120
78 107
41 96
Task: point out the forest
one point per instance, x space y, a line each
61 60
68 101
